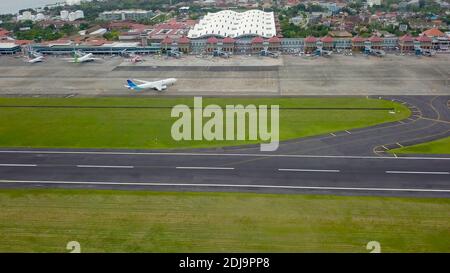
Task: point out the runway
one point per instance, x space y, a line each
268 173
353 162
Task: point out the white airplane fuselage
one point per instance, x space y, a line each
38 59
158 85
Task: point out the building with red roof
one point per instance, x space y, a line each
228 40
4 33
274 43
358 43
173 29
258 40
376 42
425 41
184 44
228 44
327 42
310 44
433 32
167 41
406 43
23 42
212 40
258 44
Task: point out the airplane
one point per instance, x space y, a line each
220 53
158 85
374 52
322 52
35 57
265 52
38 59
80 57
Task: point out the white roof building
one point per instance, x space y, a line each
235 24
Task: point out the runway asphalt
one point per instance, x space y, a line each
351 162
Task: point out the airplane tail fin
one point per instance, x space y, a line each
132 85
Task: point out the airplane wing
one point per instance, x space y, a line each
141 81
159 87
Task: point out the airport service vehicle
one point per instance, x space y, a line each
374 52
157 85
79 57
322 52
267 53
132 57
220 53
174 53
424 52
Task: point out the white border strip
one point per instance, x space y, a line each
218 186
220 154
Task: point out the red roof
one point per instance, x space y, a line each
228 40
167 40
375 39
326 39
358 39
23 42
184 40
257 40
274 39
310 39
433 32
4 32
96 42
406 38
212 40
424 38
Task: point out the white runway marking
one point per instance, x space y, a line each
205 168
308 170
100 166
221 186
413 172
18 165
220 154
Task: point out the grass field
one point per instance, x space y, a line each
440 146
129 221
150 128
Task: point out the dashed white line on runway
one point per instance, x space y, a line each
18 165
100 166
414 172
205 168
308 170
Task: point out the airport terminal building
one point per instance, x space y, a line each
245 45
247 32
